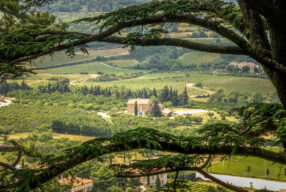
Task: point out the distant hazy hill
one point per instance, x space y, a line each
91 5
95 5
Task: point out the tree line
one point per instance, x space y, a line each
6 87
100 129
165 95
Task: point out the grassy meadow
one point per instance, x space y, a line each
238 166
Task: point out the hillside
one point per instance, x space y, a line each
91 5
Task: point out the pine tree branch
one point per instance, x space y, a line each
178 43
240 41
165 145
138 139
130 171
5 148
261 56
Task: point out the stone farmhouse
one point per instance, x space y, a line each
143 106
253 68
78 184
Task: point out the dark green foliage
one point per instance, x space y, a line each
235 98
7 87
245 69
164 95
114 189
114 77
169 95
184 97
213 136
199 84
260 118
61 86
154 93
98 128
156 110
166 8
136 108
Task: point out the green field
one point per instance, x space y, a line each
197 57
191 186
178 80
237 165
122 63
81 138
60 58
156 80
93 67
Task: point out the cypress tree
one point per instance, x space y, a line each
145 95
117 94
24 85
184 97
170 94
136 109
154 93
156 111
163 97
175 98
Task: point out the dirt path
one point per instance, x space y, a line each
192 86
5 103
